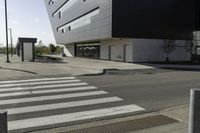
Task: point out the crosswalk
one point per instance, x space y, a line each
36 104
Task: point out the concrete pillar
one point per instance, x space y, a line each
3 122
194 123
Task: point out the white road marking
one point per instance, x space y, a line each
31 92
52 97
48 107
37 83
41 87
33 80
54 85
64 118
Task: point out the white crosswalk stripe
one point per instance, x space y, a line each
53 97
37 83
43 121
31 92
42 87
62 105
38 103
34 80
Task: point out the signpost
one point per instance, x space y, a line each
6 23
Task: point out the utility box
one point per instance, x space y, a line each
26 49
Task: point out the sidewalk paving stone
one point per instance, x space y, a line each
75 67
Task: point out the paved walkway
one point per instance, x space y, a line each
70 66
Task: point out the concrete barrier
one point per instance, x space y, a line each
194 122
3 122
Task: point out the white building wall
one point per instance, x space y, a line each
69 50
117 52
144 50
138 50
28 51
117 49
182 52
151 50
129 53
104 50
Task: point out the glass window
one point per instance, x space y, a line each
82 21
64 7
90 50
51 2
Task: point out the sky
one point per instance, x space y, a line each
27 18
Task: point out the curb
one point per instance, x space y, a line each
110 121
181 68
127 71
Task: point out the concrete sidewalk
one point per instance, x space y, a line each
70 66
104 64
73 66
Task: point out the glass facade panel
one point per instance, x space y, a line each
66 6
80 22
91 50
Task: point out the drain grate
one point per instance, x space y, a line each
127 126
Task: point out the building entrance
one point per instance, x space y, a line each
89 50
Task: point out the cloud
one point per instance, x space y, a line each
1 45
43 33
1 7
37 20
15 22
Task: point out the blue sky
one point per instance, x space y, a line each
27 18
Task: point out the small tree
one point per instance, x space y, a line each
1 50
45 50
52 48
58 50
168 47
39 48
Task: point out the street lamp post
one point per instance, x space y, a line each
11 42
6 22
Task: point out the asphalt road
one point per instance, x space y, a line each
37 104
152 91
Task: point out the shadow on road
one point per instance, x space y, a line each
19 70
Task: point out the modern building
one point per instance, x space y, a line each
125 30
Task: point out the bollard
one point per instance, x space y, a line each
3 122
194 121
